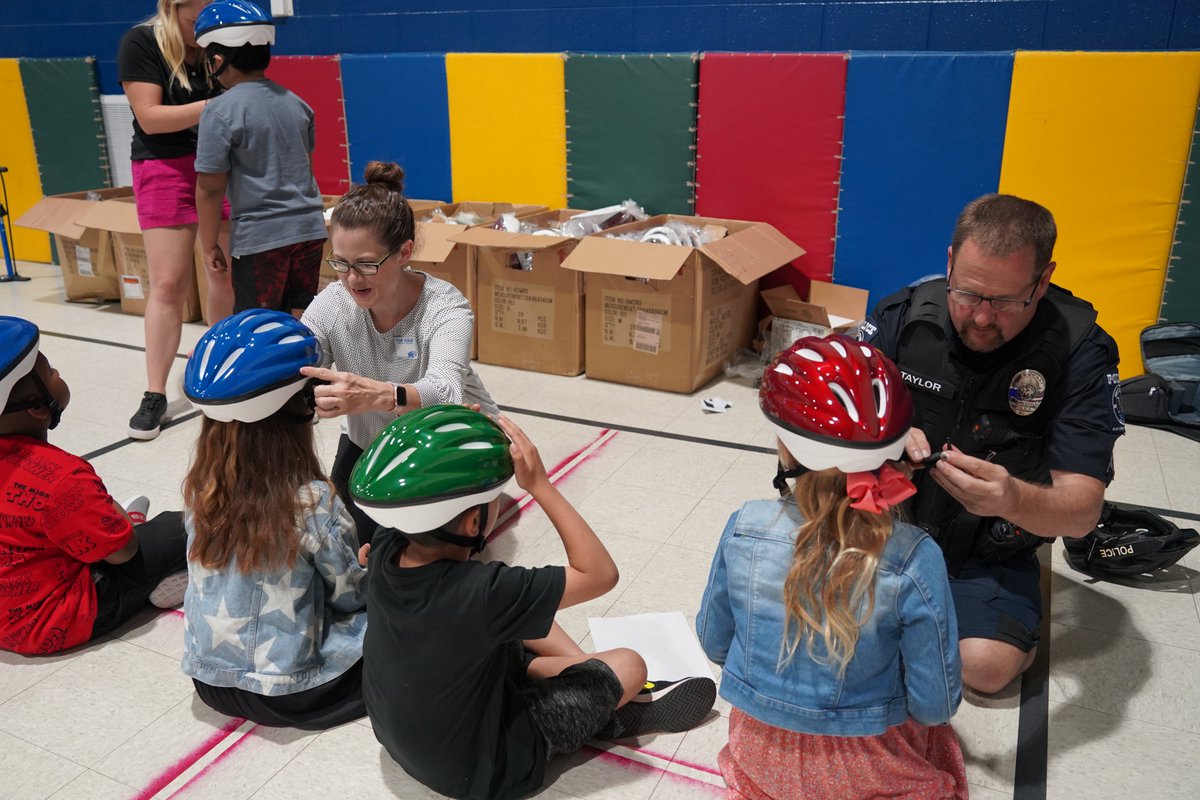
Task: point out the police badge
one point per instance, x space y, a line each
1026 392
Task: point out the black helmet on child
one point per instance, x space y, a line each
1129 541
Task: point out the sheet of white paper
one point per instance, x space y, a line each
666 641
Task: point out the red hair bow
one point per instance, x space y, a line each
879 490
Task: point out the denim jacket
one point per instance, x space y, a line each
285 631
906 663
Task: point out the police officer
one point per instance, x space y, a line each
1016 389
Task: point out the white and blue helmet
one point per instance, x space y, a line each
247 366
18 353
234 23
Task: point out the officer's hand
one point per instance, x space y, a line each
917 447
983 488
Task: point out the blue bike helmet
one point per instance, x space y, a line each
18 353
234 23
247 366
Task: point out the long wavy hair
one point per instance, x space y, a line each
244 491
169 36
830 587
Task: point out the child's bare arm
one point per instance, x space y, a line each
591 571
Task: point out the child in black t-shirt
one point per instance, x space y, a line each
470 684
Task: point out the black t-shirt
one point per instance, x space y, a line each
139 60
436 669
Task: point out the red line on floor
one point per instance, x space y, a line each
179 767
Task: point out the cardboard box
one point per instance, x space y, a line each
531 310
84 254
327 275
830 309
669 316
439 255
119 218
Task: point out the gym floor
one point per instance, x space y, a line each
1113 712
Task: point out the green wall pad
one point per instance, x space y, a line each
68 133
631 131
1181 294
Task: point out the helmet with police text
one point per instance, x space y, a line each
234 23
429 466
18 353
1129 541
247 366
835 402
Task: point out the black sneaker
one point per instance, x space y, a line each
148 420
664 707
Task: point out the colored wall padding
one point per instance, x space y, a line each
318 81
1181 294
68 132
414 133
631 124
507 128
17 153
1101 139
769 148
924 136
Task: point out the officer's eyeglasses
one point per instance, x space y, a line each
1000 305
363 267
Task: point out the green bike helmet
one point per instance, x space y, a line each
429 466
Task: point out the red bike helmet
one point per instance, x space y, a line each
835 402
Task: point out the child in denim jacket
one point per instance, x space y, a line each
833 621
276 606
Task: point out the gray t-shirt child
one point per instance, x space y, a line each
263 136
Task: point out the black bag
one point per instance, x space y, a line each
1168 395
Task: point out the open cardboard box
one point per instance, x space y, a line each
670 316
830 309
530 309
439 255
85 254
119 219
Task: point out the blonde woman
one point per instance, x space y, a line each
161 72
832 620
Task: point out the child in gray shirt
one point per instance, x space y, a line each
255 144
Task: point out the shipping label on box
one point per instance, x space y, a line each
636 321
131 287
525 309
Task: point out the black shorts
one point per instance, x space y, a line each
572 706
333 703
281 279
1002 602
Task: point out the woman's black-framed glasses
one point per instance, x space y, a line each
1000 305
363 267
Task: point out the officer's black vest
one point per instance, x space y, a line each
1017 392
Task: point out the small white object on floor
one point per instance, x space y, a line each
717 405
666 640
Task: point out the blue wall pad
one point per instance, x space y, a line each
413 131
924 135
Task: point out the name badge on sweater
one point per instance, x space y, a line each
406 347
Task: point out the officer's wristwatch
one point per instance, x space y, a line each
401 396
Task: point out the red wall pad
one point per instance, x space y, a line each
769 144
318 81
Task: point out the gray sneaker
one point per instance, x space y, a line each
147 422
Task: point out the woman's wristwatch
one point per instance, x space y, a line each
401 396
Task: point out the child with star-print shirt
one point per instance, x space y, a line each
283 647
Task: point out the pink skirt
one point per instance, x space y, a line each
910 760
165 192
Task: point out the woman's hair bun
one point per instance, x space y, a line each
387 173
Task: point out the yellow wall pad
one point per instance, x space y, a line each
508 138
17 153
1101 139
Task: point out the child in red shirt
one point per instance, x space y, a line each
72 565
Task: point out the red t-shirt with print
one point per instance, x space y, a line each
56 517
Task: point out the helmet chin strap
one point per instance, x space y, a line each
475 543
782 475
46 401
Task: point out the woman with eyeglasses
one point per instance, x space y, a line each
401 339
